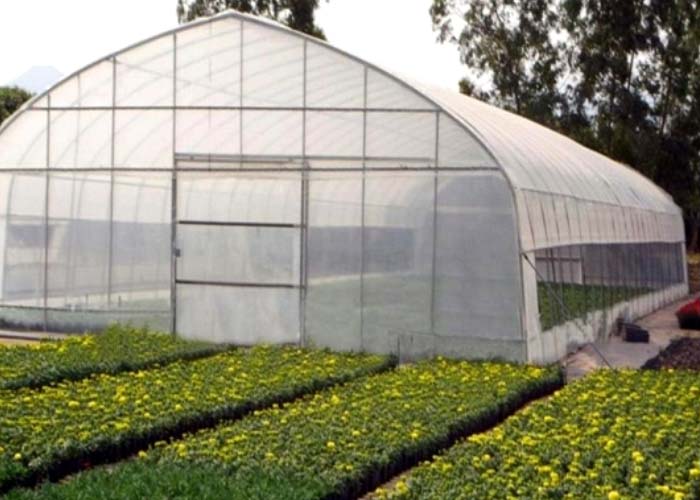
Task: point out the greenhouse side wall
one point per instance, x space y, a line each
415 264
584 291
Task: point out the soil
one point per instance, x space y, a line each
682 353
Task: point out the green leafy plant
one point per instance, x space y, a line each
119 348
333 444
56 429
614 434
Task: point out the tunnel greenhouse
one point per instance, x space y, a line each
236 181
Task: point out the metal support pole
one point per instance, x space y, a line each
110 257
174 251
46 214
304 232
363 210
433 281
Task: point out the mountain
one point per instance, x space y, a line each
37 79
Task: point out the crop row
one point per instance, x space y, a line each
117 349
54 429
615 435
334 444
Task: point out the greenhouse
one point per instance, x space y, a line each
237 181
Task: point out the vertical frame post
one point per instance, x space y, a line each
110 257
46 213
173 202
304 232
362 208
433 265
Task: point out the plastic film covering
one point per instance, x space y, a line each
22 244
565 181
237 181
477 288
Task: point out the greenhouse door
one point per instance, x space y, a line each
238 257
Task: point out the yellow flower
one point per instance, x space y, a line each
330 445
613 495
142 454
17 456
694 472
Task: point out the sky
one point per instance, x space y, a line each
69 34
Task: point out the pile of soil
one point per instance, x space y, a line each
682 353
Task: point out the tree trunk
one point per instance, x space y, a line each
694 243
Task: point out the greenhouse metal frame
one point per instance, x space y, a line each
236 181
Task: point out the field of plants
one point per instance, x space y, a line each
612 435
333 444
182 420
118 348
54 428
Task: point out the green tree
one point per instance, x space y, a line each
620 76
510 45
297 14
11 98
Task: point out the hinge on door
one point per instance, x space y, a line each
177 252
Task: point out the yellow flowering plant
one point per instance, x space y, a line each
333 444
56 428
613 435
118 348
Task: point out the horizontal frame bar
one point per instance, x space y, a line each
107 170
238 224
234 284
89 310
234 108
213 158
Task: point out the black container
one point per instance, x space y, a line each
635 333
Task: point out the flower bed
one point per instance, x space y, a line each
689 315
55 429
334 444
118 348
615 435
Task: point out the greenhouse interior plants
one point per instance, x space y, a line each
236 181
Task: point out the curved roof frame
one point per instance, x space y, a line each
432 97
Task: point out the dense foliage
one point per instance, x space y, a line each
614 434
297 14
118 348
334 444
11 99
620 76
562 302
108 416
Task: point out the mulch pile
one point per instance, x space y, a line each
683 353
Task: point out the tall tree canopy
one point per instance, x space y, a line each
620 76
11 98
297 14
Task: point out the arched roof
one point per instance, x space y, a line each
242 94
